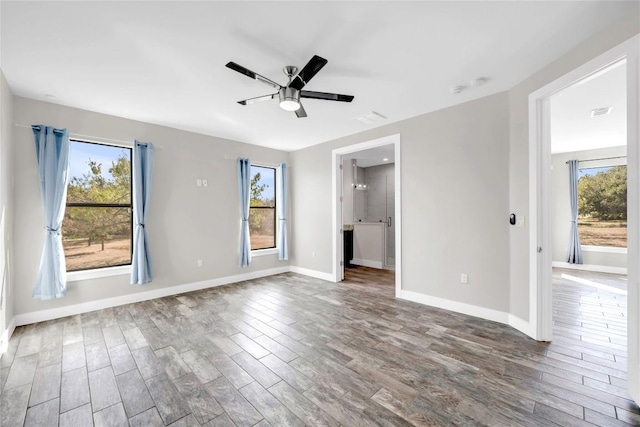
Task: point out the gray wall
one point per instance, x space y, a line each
464 169
519 146
561 210
185 223
454 202
6 204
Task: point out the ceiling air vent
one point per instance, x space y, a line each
370 118
603 111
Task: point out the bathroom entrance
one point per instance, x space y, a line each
369 209
367 215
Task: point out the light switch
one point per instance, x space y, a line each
199 182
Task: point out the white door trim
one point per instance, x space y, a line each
337 209
540 302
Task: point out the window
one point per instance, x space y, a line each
98 221
262 208
602 206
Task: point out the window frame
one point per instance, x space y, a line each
273 249
110 270
603 163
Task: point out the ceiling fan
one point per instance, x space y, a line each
291 93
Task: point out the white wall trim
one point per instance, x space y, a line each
603 249
367 263
458 307
76 276
6 335
56 313
590 267
44 315
468 309
329 277
70 310
264 252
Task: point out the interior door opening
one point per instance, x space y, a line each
541 319
367 215
588 122
587 129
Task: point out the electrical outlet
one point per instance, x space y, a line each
205 183
464 278
199 262
313 254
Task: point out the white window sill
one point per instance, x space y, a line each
603 249
262 252
75 276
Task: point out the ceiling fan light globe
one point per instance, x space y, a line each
289 104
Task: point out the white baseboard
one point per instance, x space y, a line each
6 335
366 263
44 315
590 267
313 273
458 307
70 310
468 309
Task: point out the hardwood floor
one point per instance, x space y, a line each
292 350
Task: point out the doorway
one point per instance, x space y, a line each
368 207
540 254
367 199
588 129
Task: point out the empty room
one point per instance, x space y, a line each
386 213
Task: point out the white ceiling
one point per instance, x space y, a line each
163 62
573 128
373 156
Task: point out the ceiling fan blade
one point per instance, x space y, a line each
300 112
247 72
326 96
314 65
258 99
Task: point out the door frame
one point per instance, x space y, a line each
540 288
336 154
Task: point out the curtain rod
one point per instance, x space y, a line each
258 162
604 158
79 135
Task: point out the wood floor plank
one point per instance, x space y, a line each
235 405
292 350
301 406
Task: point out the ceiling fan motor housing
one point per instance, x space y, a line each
289 98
